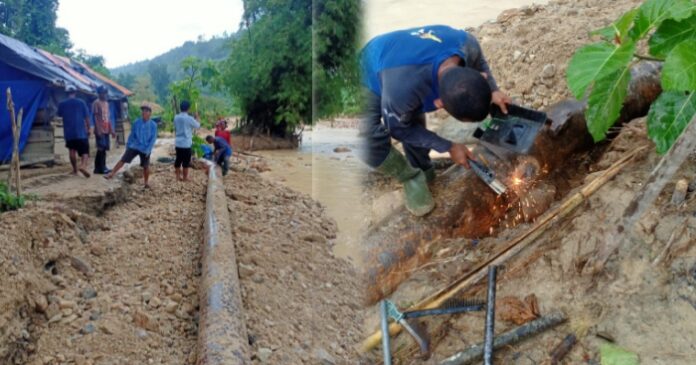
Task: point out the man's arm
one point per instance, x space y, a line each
194 123
477 60
88 119
403 90
153 138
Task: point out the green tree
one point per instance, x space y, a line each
269 71
95 62
126 79
34 22
160 80
198 75
336 60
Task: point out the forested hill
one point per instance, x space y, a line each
213 49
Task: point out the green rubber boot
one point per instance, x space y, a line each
429 175
418 199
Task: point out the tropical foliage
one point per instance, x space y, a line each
601 73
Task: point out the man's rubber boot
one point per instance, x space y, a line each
429 175
417 197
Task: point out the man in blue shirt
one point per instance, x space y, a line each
140 143
184 124
222 153
408 73
75 116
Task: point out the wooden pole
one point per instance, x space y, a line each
16 129
512 248
10 108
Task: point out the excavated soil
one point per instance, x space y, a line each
120 288
300 301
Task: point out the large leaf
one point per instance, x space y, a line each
595 61
679 71
670 34
617 30
605 102
668 117
614 355
654 12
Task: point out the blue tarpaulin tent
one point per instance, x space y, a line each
37 80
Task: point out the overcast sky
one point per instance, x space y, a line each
132 30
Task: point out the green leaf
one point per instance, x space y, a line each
654 12
679 71
668 117
596 61
671 33
614 355
618 29
605 102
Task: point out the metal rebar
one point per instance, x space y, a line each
440 311
490 317
386 348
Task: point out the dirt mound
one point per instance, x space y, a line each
529 48
116 289
301 303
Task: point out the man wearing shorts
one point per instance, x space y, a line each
75 129
140 143
184 124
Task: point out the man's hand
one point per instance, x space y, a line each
460 154
501 99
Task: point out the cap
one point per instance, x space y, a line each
146 105
70 88
102 90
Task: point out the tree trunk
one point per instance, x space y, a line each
466 207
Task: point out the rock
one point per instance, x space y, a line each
170 306
69 319
145 321
64 303
342 149
94 316
108 327
89 293
177 297
52 310
146 296
88 328
314 237
548 71
246 271
81 265
154 302
40 303
324 357
264 354
97 250
55 318
516 56
679 193
141 333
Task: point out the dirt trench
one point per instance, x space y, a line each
113 283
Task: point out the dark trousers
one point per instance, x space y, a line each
376 141
224 161
103 145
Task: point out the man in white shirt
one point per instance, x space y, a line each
184 124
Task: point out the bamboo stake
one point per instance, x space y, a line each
10 108
514 247
16 129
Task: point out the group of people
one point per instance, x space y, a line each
405 74
77 126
